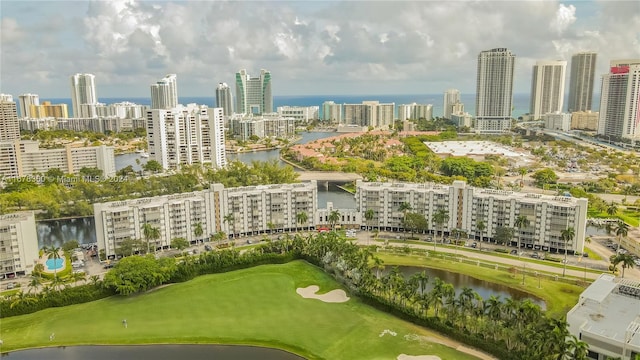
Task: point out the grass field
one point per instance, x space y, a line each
256 306
558 296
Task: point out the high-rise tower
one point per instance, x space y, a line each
620 100
9 125
83 95
164 93
583 71
224 99
494 91
547 87
25 101
253 94
451 96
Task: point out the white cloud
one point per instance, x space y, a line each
421 46
565 17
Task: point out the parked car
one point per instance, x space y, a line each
11 285
513 252
535 255
208 247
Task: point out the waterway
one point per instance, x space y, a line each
155 352
484 288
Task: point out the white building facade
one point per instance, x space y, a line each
415 111
186 135
466 206
253 94
581 81
547 88
451 96
224 99
332 112
494 91
244 126
25 101
164 93
237 211
620 100
301 114
557 121
18 243
83 95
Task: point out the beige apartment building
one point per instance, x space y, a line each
18 243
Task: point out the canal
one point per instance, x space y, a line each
459 281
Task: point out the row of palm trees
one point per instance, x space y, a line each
520 328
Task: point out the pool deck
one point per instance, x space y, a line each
43 261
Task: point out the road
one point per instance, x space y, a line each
364 238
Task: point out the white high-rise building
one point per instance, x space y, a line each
369 113
83 92
494 91
186 135
224 99
25 101
451 96
583 71
415 111
253 94
164 93
331 112
620 100
547 88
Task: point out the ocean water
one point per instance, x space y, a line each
520 101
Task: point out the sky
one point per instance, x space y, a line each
310 47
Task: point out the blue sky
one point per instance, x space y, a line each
328 47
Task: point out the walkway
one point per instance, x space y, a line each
364 238
328 176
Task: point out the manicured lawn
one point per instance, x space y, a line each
257 306
592 254
559 297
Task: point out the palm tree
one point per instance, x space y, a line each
53 252
567 235
35 283
626 260
78 276
230 219
150 233
440 217
404 207
522 171
197 231
521 223
622 230
333 218
302 218
480 226
612 209
369 215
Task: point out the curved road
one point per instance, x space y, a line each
364 238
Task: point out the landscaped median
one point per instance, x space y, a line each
558 296
258 306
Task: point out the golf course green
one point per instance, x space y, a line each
257 306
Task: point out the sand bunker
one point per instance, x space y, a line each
333 296
418 357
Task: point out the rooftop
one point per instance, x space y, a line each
609 308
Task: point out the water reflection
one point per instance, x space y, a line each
484 288
155 352
56 232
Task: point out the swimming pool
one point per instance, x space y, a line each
54 264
